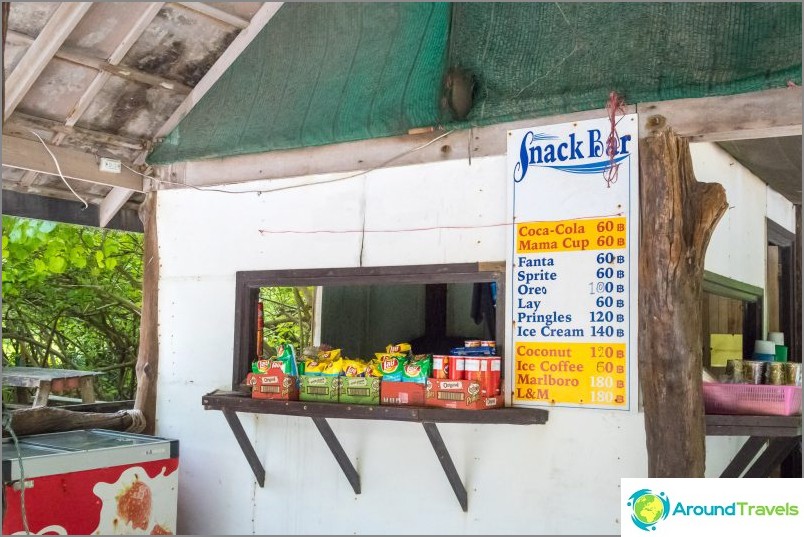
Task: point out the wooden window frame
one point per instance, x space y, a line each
754 300
248 283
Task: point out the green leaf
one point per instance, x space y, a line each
46 226
16 234
57 264
39 266
78 259
99 258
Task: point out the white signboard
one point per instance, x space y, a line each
572 263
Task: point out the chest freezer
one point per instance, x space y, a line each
91 482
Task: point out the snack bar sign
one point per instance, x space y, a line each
573 263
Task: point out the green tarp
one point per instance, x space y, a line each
327 73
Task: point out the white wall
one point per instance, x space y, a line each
520 479
738 248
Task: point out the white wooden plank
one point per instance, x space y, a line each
112 203
243 39
30 155
752 115
361 155
58 28
215 13
115 57
760 114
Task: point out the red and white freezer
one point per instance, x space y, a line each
91 482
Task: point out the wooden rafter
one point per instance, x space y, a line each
20 125
243 39
117 55
128 73
44 47
112 203
215 13
29 155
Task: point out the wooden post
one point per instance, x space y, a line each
677 217
148 355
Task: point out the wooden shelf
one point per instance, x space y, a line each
229 403
240 402
778 435
768 426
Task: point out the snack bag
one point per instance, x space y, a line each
260 366
374 368
333 368
314 367
391 366
353 368
328 356
418 369
399 348
286 354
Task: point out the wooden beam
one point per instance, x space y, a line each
28 178
750 115
362 155
20 125
215 13
243 39
128 73
58 28
762 114
147 367
112 203
30 155
245 446
117 55
677 217
135 75
70 211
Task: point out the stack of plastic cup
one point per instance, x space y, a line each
764 351
780 354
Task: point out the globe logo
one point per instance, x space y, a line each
648 508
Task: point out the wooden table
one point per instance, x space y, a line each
781 434
46 380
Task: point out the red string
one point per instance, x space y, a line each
613 107
414 229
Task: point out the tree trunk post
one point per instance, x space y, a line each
148 354
677 217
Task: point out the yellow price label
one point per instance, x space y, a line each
576 373
571 235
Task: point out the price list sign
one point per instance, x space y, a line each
572 263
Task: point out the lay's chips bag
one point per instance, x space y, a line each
418 369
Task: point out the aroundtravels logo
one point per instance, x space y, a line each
648 508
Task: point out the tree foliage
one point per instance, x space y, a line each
287 316
71 299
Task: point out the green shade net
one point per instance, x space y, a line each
536 60
319 74
327 73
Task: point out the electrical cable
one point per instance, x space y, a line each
58 168
290 187
7 427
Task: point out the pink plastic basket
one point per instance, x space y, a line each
751 399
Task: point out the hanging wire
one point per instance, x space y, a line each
278 189
58 169
7 427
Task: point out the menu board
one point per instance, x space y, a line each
572 263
